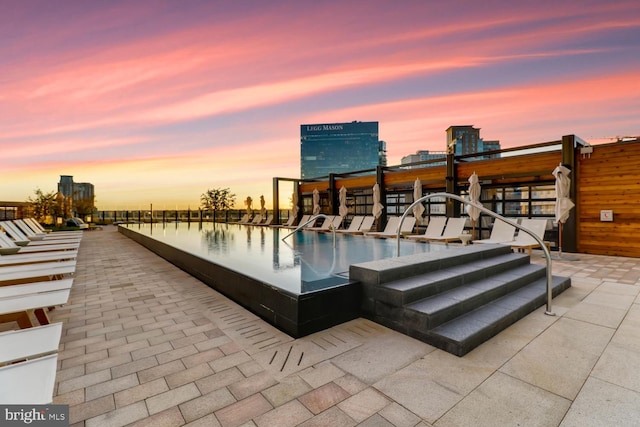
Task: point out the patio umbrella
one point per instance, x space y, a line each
263 210
418 209
294 202
474 196
316 202
563 202
248 203
342 197
377 206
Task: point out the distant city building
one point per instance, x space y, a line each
466 140
424 155
81 194
77 190
339 148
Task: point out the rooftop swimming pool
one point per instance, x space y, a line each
301 284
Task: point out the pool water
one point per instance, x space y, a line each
303 262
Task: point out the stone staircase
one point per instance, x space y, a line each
454 299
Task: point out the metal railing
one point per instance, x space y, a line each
489 212
312 220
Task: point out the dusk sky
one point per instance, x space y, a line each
157 101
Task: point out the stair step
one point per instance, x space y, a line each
388 270
438 309
405 291
464 333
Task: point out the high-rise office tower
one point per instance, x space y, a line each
466 140
340 147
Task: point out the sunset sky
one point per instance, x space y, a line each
157 101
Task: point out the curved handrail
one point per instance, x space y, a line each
313 219
489 212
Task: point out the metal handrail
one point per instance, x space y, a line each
489 212
313 219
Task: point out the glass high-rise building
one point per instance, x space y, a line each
339 148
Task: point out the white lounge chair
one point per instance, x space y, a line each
326 223
22 239
267 221
391 229
451 233
244 220
524 241
17 301
15 274
287 224
36 378
354 225
30 359
22 344
435 227
256 219
38 228
500 233
391 226
336 221
37 235
36 257
304 219
9 246
366 226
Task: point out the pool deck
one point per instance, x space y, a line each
144 343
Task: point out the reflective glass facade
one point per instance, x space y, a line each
339 148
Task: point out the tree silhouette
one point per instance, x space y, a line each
217 199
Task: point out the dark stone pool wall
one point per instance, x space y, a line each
295 314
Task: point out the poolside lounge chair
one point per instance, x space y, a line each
287 224
244 220
267 221
37 235
354 226
451 233
17 301
304 219
24 273
435 227
365 226
256 219
523 240
500 233
326 223
36 257
28 364
38 228
9 246
336 221
391 229
22 239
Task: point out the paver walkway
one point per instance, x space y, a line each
144 343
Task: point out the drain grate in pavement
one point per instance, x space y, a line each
302 353
245 328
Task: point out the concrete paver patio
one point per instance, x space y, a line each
144 343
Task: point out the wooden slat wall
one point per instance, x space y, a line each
406 178
609 180
512 169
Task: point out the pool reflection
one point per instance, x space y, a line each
304 262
